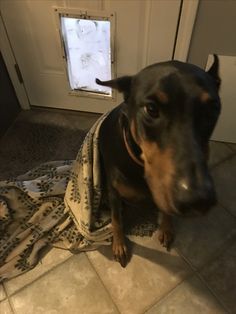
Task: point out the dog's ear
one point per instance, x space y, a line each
122 84
214 71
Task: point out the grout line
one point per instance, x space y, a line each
230 147
228 211
36 279
230 156
197 271
4 290
189 275
211 258
44 274
198 275
165 295
162 299
11 305
103 284
156 301
186 260
212 292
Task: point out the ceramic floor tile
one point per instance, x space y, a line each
5 307
2 293
232 146
218 152
225 180
53 258
199 238
220 275
151 273
72 287
189 297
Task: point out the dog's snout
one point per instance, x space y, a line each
184 184
197 196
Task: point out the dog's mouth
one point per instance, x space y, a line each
171 204
183 193
192 212
197 209
189 212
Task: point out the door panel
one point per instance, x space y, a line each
145 33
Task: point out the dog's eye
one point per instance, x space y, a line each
152 110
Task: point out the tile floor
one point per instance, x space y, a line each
197 276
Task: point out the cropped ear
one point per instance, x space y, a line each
122 84
214 71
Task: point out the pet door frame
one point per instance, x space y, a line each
90 15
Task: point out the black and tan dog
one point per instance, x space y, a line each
154 146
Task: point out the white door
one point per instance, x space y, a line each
145 33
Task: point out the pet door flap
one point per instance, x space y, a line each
87 52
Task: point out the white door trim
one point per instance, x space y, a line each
10 61
186 24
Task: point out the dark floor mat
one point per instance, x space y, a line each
27 145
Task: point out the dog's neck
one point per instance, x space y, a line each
132 148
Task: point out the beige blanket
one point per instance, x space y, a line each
58 204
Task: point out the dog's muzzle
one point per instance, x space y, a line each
194 198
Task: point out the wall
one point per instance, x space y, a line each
214 31
9 106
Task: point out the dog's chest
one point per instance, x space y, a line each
132 193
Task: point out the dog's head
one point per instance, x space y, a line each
173 108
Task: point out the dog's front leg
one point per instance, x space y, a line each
119 247
166 230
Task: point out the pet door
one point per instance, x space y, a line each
87 51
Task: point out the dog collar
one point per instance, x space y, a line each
129 142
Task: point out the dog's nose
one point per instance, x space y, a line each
197 196
184 184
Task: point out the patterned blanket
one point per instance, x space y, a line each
58 204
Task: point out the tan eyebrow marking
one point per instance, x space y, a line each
204 97
163 97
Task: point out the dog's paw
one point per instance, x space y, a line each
120 252
166 237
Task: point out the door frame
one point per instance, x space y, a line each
12 67
185 26
185 29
